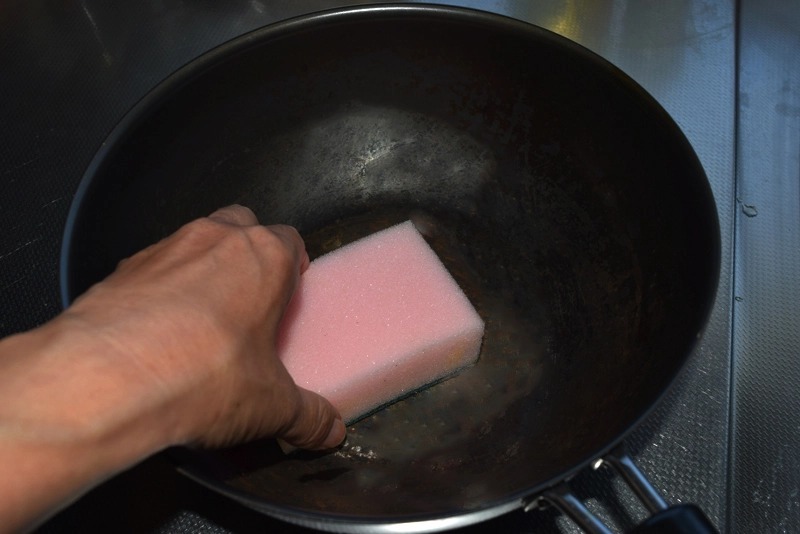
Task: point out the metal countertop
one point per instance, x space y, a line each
727 436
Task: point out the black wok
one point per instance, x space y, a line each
562 197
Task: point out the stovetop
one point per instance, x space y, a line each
726 437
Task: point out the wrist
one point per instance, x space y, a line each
71 390
66 420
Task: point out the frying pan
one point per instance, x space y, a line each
564 200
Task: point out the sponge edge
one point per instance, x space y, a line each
376 320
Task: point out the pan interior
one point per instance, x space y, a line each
563 200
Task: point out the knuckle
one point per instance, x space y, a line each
235 214
199 229
273 246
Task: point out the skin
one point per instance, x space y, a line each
176 347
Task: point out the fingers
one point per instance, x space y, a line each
290 237
236 215
317 425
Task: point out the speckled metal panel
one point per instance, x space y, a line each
766 423
70 70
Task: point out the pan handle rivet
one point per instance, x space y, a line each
597 464
538 503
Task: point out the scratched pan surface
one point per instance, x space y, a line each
563 199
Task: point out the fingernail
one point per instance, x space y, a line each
286 447
336 434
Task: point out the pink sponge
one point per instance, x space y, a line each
375 320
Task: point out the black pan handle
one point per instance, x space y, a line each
678 519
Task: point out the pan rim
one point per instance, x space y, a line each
241 44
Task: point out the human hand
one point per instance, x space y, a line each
197 314
176 347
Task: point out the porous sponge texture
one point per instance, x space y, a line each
375 320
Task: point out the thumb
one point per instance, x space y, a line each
317 424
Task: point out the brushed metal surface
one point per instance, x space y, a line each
766 430
71 70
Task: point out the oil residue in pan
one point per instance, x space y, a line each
429 429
